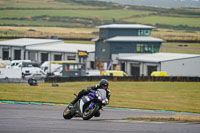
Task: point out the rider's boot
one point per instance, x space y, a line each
75 100
71 105
80 94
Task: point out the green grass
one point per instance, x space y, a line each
174 21
188 48
188 45
103 14
63 18
184 51
10 32
174 118
35 23
41 4
175 96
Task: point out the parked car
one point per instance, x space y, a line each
31 70
159 74
113 73
36 76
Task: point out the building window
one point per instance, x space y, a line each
139 48
144 32
71 57
44 57
145 48
135 70
31 56
57 57
92 65
17 54
123 66
147 32
5 53
156 49
150 69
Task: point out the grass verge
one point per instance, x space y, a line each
173 96
174 118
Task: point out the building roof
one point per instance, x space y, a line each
156 57
63 47
126 26
134 39
27 41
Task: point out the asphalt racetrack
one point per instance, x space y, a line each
22 118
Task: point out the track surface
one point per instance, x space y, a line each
21 118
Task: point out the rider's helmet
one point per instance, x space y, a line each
103 82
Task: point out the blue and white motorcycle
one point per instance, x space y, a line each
88 106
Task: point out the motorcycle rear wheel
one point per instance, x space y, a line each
89 113
67 114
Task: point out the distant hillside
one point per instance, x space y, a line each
160 3
56 4
40 18
77 19
90 13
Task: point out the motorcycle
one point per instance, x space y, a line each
88 106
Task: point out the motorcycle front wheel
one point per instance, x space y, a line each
67 114
89 113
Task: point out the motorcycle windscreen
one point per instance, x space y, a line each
102 92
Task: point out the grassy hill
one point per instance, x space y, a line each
26 18
89 13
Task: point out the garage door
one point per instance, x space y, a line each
151 69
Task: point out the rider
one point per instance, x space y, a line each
102 85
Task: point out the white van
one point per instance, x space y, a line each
49 67
10 73
16 63
27 71
58 72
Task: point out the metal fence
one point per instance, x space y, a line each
110 78
13 80
129 78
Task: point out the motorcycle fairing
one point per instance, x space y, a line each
81 105
86 99
90 97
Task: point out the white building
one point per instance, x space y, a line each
41 50
135 64
172 63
